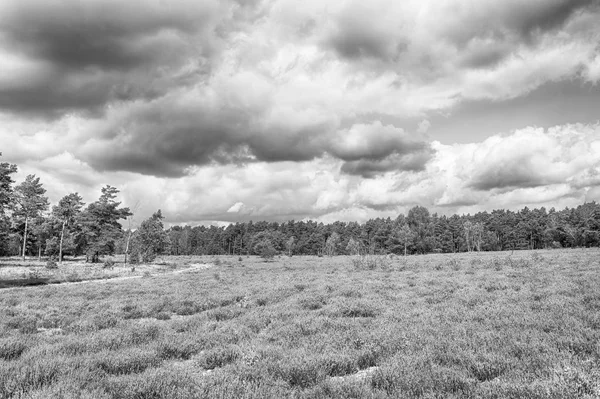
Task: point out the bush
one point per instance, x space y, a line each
177 349
151 384
142 257
127 361
51 263
371 262
11 349
265 249
218 357
109 264
25 324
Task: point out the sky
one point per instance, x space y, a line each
226 111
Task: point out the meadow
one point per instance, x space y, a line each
470 325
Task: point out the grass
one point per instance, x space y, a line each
479 325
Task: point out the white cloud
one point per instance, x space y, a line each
267 110
235 208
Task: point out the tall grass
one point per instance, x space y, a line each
525 325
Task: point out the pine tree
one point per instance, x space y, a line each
30 202
100 227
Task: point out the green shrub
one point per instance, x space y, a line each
21 377
109 263
25 324
131 360
11 348
132 312
51 263
177 348
299 373
187 308
312 303
265 249
151 384
218 357
358 310
163 316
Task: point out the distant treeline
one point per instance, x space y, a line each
418 232
29 226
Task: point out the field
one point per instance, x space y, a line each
478 325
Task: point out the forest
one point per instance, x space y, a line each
29 226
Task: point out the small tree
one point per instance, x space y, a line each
265 249
404 235
42 229
66 212
353 247
149 240
289 245
30 202
332 243
130 224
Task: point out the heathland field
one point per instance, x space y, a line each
477 325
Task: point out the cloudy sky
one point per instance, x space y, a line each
219 111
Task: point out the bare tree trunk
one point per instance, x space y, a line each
60 246
39 251
404 248
127 245
25 237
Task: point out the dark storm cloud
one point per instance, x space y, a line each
521 174
89 53
507 21
369 150
542 16
168 136
370 168
357 35
487 35
165 138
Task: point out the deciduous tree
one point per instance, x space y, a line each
405 236
149 240
66 212
331 244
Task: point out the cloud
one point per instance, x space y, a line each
70 55
533 158
511 20
457 178
295 113
369 168
355 36
372 149
236 208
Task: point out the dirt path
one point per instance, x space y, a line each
192 267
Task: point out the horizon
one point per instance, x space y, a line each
223 111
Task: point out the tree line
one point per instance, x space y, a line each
29 226
418 232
